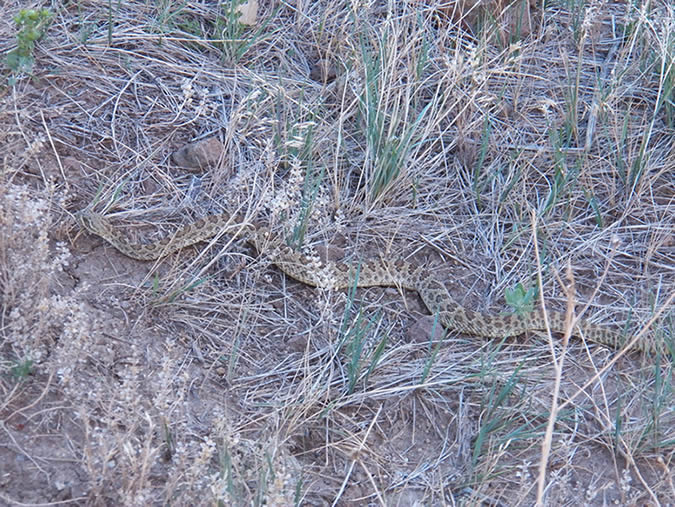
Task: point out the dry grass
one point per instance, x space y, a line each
443 136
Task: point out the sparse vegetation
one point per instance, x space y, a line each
496 143
521 300
31 25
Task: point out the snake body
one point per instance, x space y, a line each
372 272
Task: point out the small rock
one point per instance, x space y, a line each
421 330
199 155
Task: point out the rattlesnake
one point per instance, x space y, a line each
373 272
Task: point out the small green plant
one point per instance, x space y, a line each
229 32
233 34
310 189
31 26
355 340
496 407
593 203
519 299
565 177
167 16
22 369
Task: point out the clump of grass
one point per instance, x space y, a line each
300 154
391 125
233 37
356 349
495 409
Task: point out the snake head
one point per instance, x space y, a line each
93 222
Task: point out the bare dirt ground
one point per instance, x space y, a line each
498 144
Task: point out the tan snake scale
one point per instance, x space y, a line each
373 272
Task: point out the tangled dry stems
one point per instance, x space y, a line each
169 373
